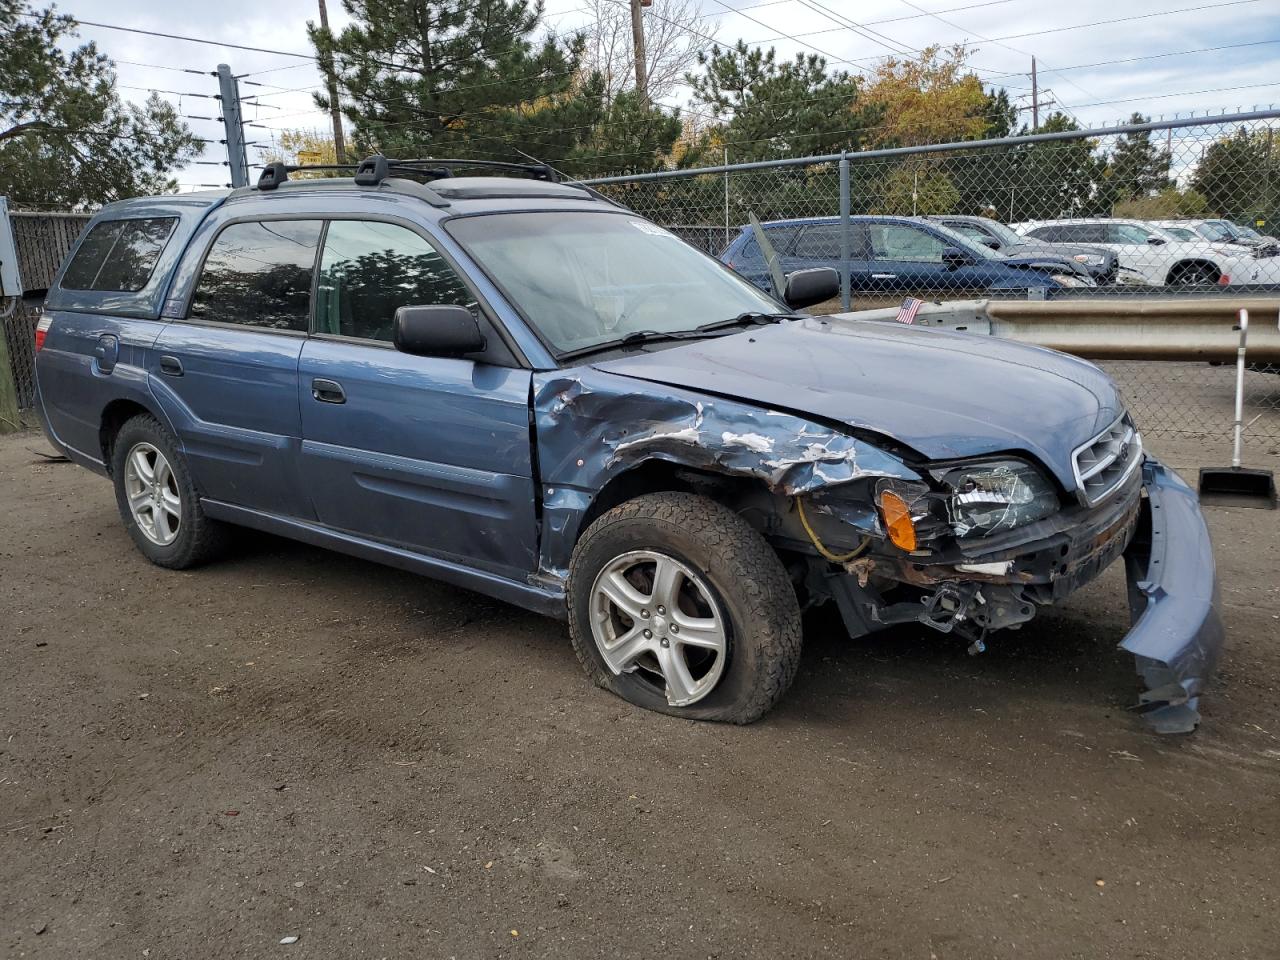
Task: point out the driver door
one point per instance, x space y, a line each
431 454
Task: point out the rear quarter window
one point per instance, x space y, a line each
118 255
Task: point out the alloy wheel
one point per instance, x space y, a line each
152 493
654 618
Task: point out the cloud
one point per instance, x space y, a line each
851 35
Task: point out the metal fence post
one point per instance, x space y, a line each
726 196
845 227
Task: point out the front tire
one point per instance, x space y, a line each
678 605
157 499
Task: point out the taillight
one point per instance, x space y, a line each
42 328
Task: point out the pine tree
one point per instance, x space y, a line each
775 108
1138 167
66 138
460 78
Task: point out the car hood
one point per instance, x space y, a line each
1040 247
945 395
1056 261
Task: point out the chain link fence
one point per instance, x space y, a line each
42 240
1178 208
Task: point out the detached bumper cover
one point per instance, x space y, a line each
1177 632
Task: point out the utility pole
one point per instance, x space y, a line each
331 78
233 124
1035 98
637 50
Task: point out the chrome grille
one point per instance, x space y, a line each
1104 463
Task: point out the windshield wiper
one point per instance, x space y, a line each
633 339
754 317
639 337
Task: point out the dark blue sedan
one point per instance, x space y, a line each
891 258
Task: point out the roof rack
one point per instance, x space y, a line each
373 170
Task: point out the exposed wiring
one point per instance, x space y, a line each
820 547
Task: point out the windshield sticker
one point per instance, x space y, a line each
652 229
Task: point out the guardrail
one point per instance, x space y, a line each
1113 329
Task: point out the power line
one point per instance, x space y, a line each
176 36
1149 56
874 36
1140 16
1165 96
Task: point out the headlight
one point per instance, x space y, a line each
1070 280
999 495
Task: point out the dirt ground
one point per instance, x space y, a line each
294 743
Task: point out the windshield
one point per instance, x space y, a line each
583 279
1005 234
1182 233
958 239
1216 231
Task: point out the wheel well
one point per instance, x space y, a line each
662 476
114 416
1183 266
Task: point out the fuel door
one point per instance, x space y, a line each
106 353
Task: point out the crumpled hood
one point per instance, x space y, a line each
946 395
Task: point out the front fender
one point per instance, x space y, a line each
591 426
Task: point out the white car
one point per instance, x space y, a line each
1223 232
1151 255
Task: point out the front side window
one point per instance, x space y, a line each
970 231
1127 233
369 270
583 279
259 274
896 241
118 255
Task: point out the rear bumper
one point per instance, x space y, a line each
1176 635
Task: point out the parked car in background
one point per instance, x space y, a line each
891 258
1154 256
1224 231
522 388
1100 263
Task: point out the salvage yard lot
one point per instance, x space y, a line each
295 743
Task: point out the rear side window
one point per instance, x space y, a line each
259 274
369 270
820 242
118 255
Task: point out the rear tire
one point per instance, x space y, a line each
157 499
1193 275
729 588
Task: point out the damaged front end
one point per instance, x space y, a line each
969 586
963 547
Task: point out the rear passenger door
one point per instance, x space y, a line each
818 245
227 374
431 454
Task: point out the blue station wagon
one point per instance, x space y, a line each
891 258
517 386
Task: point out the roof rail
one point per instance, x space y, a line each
373 170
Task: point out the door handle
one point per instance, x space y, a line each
884 276
328 391
171 366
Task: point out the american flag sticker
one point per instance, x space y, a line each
907 312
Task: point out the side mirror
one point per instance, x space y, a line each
1154 240
953 257
807 287
441 331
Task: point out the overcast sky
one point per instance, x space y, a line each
1070 41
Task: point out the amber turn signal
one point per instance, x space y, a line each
897 520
